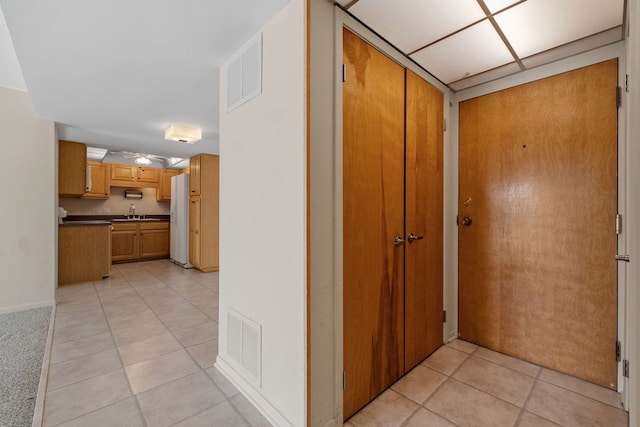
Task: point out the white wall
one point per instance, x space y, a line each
28 222
263 220
325 377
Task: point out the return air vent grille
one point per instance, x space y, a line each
244 345
244 73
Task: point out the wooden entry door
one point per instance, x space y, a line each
538 197
392 221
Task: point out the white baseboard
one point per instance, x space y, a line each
29 306
38 412
263 405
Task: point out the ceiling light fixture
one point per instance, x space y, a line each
143 161
181 133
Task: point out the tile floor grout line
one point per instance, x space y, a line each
538 374
226 398
506 367
98 300
183 348
449 376
124 371
526 400
580 394
92 411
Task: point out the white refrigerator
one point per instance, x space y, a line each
180 220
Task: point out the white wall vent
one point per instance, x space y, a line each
244 74
244 345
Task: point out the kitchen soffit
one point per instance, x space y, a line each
467 42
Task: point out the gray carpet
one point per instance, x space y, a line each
23 337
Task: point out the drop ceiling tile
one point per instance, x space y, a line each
588 43
487 76
538 25
498 5
412 24
472 51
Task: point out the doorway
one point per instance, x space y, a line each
537 208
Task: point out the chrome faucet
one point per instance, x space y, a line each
132 211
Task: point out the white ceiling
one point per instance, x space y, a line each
116 73
467 42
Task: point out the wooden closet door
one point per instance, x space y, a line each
538 166
423 263
373 215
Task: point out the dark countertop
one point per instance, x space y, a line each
109 218
89 222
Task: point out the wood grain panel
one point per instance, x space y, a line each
209 175
123 172
164 188
72 168
424 201
146 174
373 214
154 243
195 253
84 253
100 188
538 168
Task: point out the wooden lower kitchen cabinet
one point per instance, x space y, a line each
124 241
154 239
137 240
84 251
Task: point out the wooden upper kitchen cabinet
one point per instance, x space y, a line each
164 189
203 212
134 176
194 175
99 187
146 174
72 168
123 172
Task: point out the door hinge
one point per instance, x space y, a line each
444 316
618 352
444 125
344 73
457 220
618 96
618 224
626 82
625 368
344 380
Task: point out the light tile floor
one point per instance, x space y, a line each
137 349
462 384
